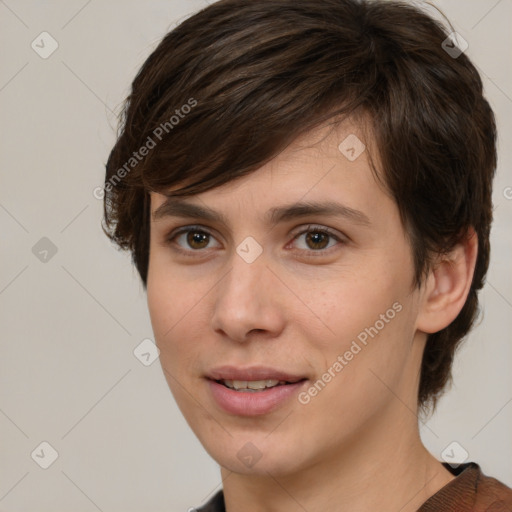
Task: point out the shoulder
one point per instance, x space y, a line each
216 504
470 491
492 495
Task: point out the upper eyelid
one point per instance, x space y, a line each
316 227
184 229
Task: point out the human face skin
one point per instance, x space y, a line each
296 308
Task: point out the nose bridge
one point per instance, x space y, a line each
243 300
243 282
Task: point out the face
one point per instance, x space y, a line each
297 277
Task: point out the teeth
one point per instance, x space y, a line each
240 384
243 385
262 384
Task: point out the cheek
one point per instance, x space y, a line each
170 304
159 297
170 296
170 313
178 307
363 368
370 320
346 306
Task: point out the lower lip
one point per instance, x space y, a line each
252 403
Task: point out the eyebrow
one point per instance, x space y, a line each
175 207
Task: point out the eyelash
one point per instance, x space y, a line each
170 240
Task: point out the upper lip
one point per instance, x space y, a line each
251 373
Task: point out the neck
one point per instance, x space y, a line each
385 468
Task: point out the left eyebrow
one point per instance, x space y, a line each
306 209
175 207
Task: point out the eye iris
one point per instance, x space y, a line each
316 240
197 240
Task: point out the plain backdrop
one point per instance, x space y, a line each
72 308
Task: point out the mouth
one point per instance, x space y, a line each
252 391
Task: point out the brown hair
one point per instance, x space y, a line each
235 84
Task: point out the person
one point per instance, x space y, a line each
305 188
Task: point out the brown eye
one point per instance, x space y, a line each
197 239
191 239
317 240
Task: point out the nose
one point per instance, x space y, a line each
248 300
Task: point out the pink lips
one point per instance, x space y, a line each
251 373
252 403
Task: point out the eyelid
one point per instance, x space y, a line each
188 227
305 228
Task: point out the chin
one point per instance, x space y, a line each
254 455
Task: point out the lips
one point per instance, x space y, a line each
252 391
253 373
253 403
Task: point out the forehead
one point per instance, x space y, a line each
330 161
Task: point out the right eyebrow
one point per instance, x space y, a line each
174 207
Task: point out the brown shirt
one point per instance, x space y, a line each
470 491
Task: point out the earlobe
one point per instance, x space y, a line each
448 285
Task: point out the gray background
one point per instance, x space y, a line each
70 324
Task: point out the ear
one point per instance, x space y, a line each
447 286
